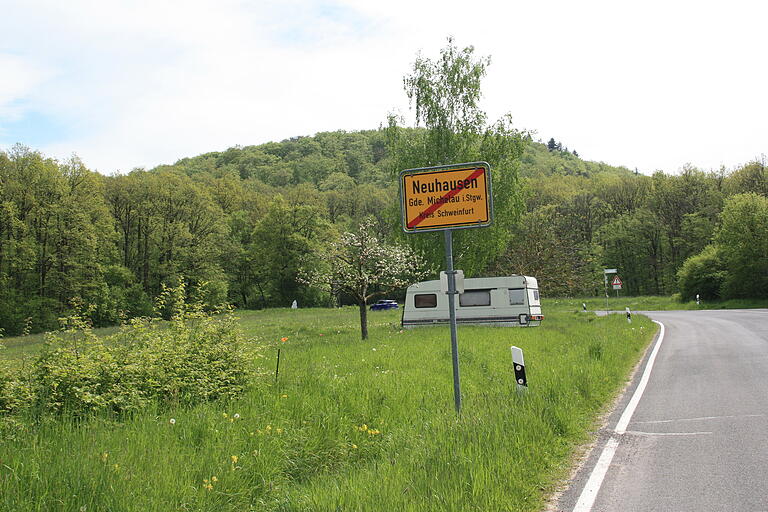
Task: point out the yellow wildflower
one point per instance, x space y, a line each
234 459
214 479
104 457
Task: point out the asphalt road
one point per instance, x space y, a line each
698 438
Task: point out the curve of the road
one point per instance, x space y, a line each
696 438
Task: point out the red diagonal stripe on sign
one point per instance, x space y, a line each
440 202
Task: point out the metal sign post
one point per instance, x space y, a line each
445 198
451 274
605 281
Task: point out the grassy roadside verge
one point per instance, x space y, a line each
650 303
349 425
266 324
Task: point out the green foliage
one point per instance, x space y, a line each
703 275
564 266
445 95
193 358
742 239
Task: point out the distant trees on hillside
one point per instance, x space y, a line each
241 225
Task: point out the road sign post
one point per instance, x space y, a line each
445 198
605 281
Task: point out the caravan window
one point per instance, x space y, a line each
475 298
517 297
425 300
533 297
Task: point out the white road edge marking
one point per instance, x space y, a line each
636 433
705 418
589 493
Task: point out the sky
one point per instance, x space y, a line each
652 85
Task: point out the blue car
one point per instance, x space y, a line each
384 304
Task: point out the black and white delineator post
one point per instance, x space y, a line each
518 363
629 316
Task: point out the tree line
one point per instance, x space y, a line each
238 226
577 223
244 225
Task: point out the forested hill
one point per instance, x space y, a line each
361 156
239 225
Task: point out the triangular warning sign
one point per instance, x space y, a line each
616 281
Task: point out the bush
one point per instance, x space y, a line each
742 239
195 357
702 274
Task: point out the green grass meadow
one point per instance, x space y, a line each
347 425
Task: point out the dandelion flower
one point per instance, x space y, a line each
214 479
172 421
354 447
224 414
234 459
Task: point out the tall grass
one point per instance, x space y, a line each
650 303
347 425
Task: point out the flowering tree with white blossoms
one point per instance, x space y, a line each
364 267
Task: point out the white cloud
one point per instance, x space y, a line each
19 78
651 85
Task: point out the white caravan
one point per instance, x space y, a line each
504 301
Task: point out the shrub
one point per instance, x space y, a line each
192 360
702 274
195 357
742 239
